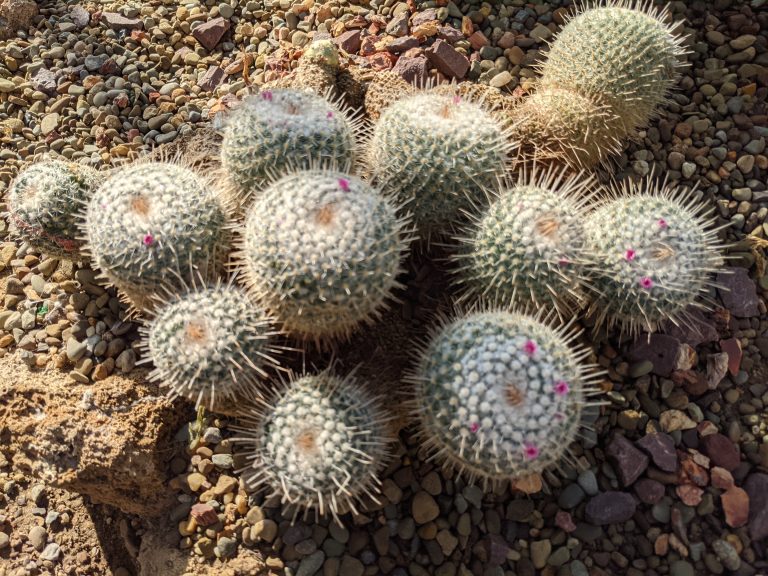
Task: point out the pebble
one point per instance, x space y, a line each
727 554
311 564
540 550
38 536
5 540
51 552
424 508
681 568
588 482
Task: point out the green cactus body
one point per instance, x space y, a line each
150 224
321 52
528 249
284 128
557 125
44 204
499 395
621 55
654 253
211 346
319 445
322 250
440 154
385 88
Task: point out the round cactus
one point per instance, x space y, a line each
557 125
654 251
528 248
499 104
622 55
319 445
279 129
322 250
385 88
210 346
151 224
438 153
317 70
499 395
44 204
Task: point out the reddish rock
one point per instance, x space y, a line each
448 60
449 34
661 448
735 503
756 487
477 40
564 521
721 478
210 33
423 17
732 347
629 462
212 79
368 45
721 451
660 349
717 366
382 60
506 41
698 329
691 472
412 70
649 491
738 292
610 507
684 130
349 41
401 45
108 68
119 22
690 494
204 514
694 383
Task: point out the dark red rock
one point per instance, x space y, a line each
209 34
423 17
697 329
368 45
732 347
661 448
401 45
610 507
721 451
649 491
477 40
694 383
413 70
119 22
212 79
564 521
738 292
448 60
506 41
449 34
398 26
382 61
204 514
629 462
349 41
109 67
756 486
660 349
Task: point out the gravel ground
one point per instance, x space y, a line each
100 82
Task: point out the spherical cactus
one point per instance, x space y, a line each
322 250
499 104
621 55
278 129
151 224
528 249
211 346
321 52
440 154
319 445
499 395
560 126
385 88
44 203
654 251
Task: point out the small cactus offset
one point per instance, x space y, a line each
317 70
151 224
322 250
499 395
210 345
621 55
319 444
44 205
385 88
528 249
284 128
440 154
654 252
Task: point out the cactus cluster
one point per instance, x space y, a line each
322 250
44 205
319 444
321 241
499 395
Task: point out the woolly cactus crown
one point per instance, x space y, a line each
44 203
319 444
654 251
499 395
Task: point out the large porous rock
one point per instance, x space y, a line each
110 441
16 15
